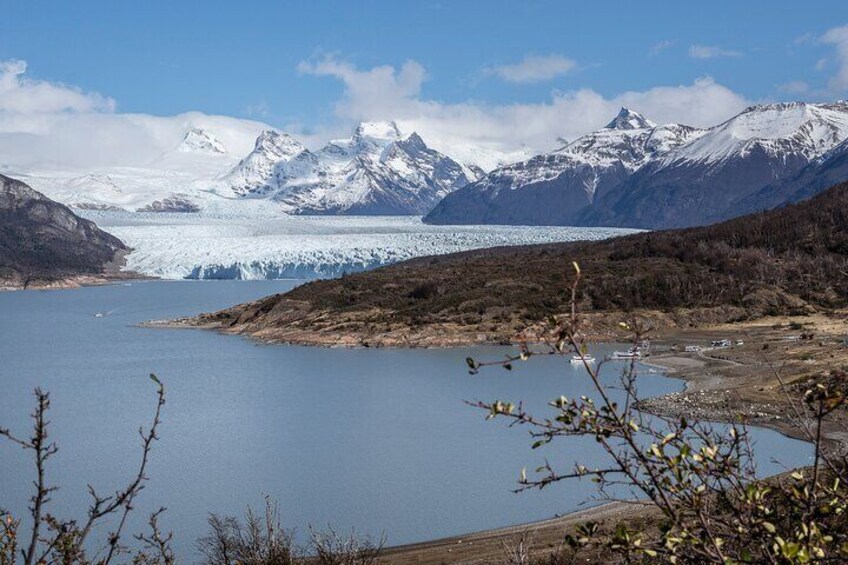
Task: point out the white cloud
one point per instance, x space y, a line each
49 125
258 110
658 48
382 86
72 129
511 130
794 87
23 95
804 38
534 68
710 52
838 38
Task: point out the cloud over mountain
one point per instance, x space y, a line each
22 95
510 130
535 68
51 124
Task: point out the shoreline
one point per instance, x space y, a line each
719 386
717 389
711 392
110 274
746 383
77 281
486 546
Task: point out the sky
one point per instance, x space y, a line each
510 76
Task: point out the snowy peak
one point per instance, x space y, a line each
376 171
798 128
413 143
197 140
628 119
384 131
629 140
275 145
553 188
256 171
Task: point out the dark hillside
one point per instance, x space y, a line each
786 260
43 240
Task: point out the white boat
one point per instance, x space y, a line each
577 360
632 353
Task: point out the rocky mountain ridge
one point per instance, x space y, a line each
42 240
633 173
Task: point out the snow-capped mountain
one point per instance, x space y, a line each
206 167
198 140
633 173
257 169
705 180
807 130
166 164
822 173
377 171
554 188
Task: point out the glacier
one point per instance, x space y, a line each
210 246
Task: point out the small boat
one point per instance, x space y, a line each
632 353
578 360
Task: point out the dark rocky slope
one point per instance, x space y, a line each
831 168
42 241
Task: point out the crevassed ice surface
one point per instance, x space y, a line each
203 246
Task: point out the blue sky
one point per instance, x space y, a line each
226 57
269 60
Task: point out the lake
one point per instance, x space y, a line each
379 440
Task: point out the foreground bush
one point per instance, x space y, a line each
259 540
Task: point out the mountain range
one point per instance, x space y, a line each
630 173
635 173
377 171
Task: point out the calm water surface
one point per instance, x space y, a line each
376 439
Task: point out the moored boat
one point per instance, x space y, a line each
577 359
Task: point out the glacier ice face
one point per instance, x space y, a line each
203 246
